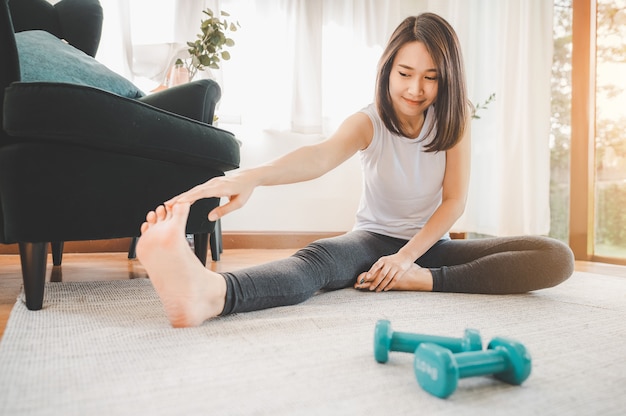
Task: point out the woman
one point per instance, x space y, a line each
414 147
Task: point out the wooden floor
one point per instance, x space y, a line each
116 266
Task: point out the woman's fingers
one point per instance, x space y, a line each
383 275
238 192
204 190
217 187
220 211
382 280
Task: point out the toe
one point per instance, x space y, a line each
160 213
180 212
151 217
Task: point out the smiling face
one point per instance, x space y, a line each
422 65
413 83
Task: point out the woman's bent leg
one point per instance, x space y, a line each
328 264
498 265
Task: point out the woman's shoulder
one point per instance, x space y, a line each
371 112
358 127
363 125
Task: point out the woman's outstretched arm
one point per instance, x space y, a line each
302 164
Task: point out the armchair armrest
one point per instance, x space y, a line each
195 100
97 119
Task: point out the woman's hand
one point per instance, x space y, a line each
385 273
237 188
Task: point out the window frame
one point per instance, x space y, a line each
583 122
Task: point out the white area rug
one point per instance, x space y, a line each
106 349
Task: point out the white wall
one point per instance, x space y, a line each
324 204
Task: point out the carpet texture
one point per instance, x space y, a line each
106 348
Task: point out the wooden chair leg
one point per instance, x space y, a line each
34 258
57 252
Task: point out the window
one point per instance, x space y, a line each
610 130
591 34
560 120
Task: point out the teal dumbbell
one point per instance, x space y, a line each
385 340
438 370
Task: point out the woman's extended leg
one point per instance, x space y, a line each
327 264
192 294
498 265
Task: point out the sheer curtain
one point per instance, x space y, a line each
142 38
508 51
303 66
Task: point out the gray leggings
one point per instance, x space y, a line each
491 266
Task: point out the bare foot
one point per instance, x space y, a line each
416 279
190 293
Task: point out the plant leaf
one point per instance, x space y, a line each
209 47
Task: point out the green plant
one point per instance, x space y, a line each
209 49
483 106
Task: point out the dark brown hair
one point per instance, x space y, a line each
452 107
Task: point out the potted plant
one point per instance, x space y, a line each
210 48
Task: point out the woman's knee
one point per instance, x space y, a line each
559 261
337 249
340 258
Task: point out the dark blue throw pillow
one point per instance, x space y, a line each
46 58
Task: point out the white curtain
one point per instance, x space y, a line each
508 51
142 38
304 65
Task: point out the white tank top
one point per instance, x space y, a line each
402 184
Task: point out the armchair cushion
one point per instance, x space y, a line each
44 57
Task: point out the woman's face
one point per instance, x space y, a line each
413 81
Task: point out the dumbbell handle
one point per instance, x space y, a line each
408 342
386 340
477 363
